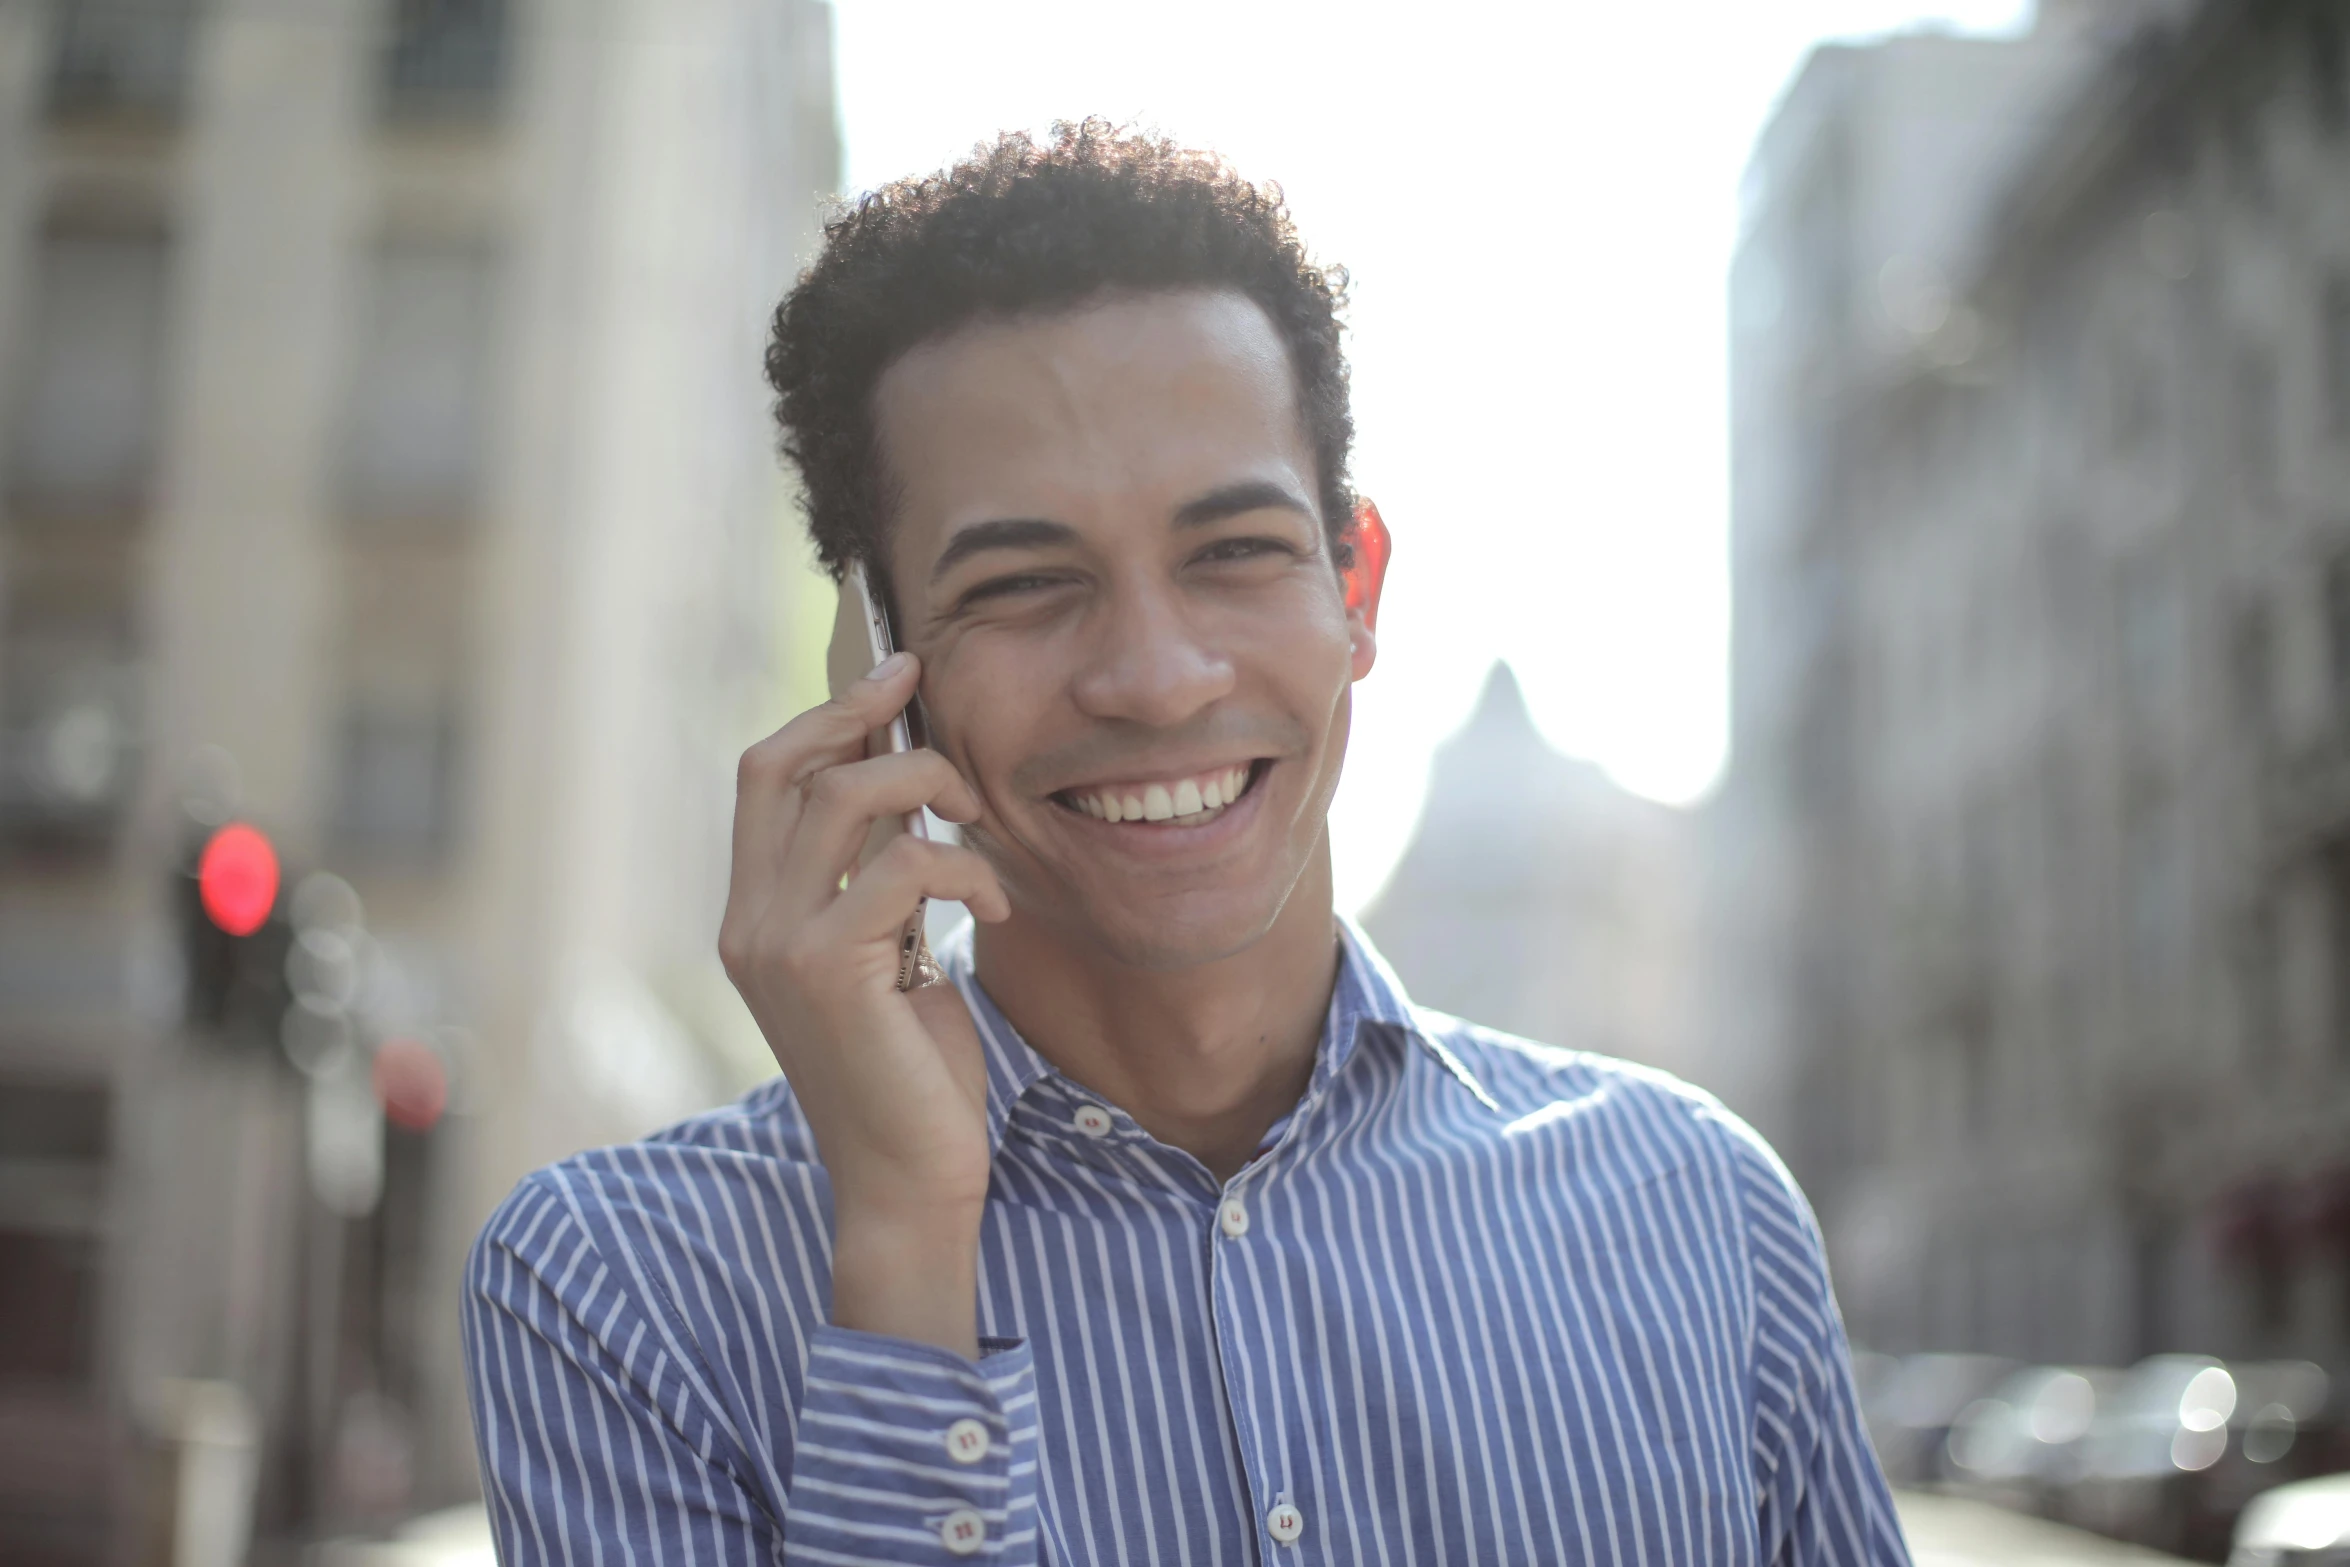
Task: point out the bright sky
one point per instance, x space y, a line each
1537 203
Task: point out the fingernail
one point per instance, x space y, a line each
888 667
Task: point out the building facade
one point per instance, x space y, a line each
385 463
1539 897
2042 662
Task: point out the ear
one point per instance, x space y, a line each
1365 579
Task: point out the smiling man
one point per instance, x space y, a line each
1165 1229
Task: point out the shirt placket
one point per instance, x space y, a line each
1243 1282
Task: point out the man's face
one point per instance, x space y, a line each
1107 551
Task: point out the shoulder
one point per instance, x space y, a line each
717 1192
1623 1124
1651 1115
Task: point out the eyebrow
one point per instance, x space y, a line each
1234 499
1003 533
1027 533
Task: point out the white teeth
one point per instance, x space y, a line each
1180 800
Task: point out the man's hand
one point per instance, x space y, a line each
892 1082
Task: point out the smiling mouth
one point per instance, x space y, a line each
1192 801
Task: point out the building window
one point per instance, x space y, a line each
2256 427
396 777
445 58
2261 976
119 57
2328 87
2252 673
419 383
54 1143
68 729
88 405
2156 895
2334 868
2337 612
2153 644
2136 394
2335 330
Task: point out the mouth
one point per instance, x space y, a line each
1190 801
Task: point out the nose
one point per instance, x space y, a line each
1149 665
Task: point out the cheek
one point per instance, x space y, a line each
1306 658
982 711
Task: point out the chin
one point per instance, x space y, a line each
1180 931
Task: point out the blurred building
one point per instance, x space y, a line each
2041 778
1538 897
385 463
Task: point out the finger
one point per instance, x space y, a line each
841 804
765 801
763 809
834 731
878 902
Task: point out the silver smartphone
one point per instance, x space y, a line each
861 639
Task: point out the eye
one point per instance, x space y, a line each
1009 586
1242 549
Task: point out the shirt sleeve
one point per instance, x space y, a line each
1824 1501
601 1442
910 1453
595 1440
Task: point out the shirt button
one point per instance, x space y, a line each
1232 1218
1285 1523
1093 1120
966 1441
964 1531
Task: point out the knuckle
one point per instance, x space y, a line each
825 789
906 853
798 957
844 712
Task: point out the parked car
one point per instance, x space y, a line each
2304 1524
2022 1444
2188 1441
1910 1404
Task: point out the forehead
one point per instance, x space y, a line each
1143 398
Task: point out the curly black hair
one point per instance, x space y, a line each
1019 228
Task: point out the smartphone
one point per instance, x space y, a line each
861 639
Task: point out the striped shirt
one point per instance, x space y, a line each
1476 1300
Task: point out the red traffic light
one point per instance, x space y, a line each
236 879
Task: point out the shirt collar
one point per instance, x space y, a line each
1367 992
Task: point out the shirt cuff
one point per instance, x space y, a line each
909 1453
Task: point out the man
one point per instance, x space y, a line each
1167 1230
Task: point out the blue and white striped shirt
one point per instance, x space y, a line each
1476 1301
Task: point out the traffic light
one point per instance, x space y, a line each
283 964
234 935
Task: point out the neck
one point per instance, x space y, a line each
1204 1058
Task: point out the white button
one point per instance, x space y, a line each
966 1441
964 1531
1232 1218
1285 1523
1093 1120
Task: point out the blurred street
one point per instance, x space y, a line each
1950 1531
